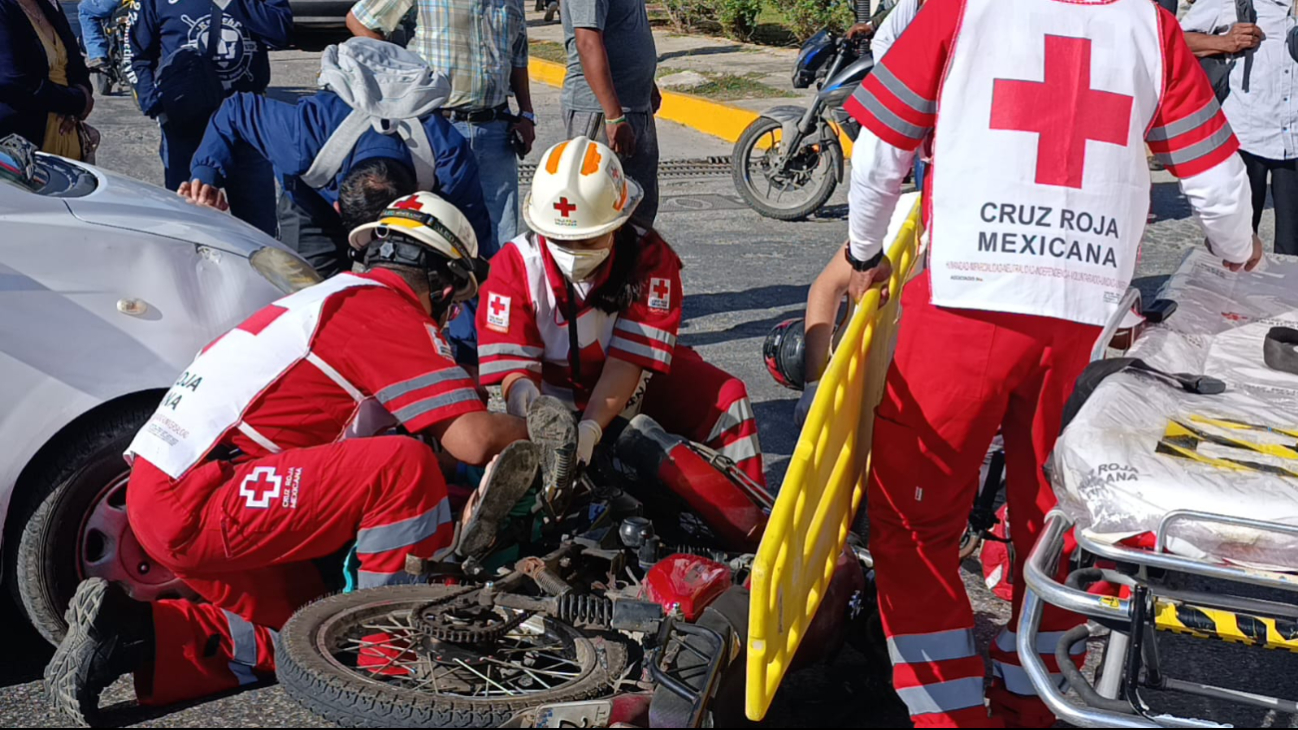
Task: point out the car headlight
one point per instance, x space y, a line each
287 272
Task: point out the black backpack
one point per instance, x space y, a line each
189 87
1219 67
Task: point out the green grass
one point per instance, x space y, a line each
548 51
729 87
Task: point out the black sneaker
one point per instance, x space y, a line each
108 635
551 426
550 11
515 472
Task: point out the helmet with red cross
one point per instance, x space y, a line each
426 232
579 192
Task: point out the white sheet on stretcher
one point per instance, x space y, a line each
1107 467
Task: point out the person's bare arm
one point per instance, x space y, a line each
1241 37
823 301
475 438
522 88
359 30
594 65
615 387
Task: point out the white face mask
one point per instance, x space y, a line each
577 265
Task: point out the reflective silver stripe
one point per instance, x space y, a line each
257 438
903 93
496 367
645 351
886 115
335 376
956 694
1199 149
1016 679
739 411
409 532
645 330
243 640
505 348
939 647
396 390
367 579
243 674
1181 126
741 450
419 408
1046 643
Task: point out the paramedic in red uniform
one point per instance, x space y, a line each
621 283
258 461
1035 209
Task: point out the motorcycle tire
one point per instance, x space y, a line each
831 158
350 697
103 83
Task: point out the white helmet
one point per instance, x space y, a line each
413 226
579 191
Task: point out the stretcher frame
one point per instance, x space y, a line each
1131 662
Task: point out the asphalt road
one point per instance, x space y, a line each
743 274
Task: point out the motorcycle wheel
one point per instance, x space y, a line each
805 185
364 659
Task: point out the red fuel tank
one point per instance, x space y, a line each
689 581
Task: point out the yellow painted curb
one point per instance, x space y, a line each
702 115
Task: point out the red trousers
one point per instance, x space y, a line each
707 405
241 535
958 376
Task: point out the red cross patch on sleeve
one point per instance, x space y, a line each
439 343
660 294
498 313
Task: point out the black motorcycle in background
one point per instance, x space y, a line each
789 161
112 75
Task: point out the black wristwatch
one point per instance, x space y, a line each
858 264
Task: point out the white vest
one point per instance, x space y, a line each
594 325
1040 182
212 395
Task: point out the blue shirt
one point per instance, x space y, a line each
248 29
291 135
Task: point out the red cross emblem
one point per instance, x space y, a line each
564 207
661 288
498 312
1063 110
257 492
411 203
660 294
497 307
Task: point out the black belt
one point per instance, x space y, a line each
477 116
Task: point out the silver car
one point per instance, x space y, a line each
108 288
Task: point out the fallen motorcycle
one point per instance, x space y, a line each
604 608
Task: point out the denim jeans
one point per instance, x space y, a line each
250 189
91 13
498 171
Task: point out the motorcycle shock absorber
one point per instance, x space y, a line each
565 465
862 10
591 611
545 578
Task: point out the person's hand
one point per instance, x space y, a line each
1241 37
67 124
1253 260
860 29
621 137
656 99
526 131
200 193
862 281
588 435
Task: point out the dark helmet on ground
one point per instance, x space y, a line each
784 350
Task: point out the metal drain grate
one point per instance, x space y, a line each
667 169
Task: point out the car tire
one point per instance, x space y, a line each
46 567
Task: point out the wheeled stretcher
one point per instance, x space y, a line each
1178 472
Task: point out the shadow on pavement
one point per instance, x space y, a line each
26 652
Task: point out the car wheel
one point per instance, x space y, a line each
77 529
